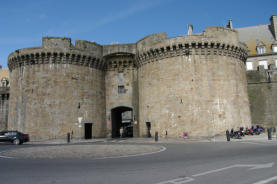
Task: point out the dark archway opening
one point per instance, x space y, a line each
88 130
122 118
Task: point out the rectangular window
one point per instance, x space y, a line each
121 89
276 63
261 50
249 66
263 63
120 76
274 48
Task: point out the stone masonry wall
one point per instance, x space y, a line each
195 87
52 87
262 90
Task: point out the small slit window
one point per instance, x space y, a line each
120 76
121 89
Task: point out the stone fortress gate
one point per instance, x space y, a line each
194 84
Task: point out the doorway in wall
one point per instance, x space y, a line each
88 130
122 118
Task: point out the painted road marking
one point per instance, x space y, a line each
177 181
1 156
4 157
251 167
266 181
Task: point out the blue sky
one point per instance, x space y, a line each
24 22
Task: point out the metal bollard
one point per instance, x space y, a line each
228 135
156 136
276 131
68 137
269 133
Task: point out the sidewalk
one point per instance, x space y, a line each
220 138
64 141
261 137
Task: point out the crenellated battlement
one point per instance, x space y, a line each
192 48
59 51
119 48
55 58
56 50
223 42
147 42
120 62
56 43
91 47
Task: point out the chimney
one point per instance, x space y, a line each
273 21
190 29
230 24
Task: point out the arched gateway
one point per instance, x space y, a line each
122 117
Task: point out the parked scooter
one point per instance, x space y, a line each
235 134
241 131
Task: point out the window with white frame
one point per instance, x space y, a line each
274 48
261 50
263 63
249 65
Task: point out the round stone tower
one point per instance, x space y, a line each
58 88
194 84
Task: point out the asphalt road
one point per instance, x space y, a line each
209 163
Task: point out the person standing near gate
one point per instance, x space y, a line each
121 132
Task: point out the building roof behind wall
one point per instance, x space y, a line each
256 34
4 72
